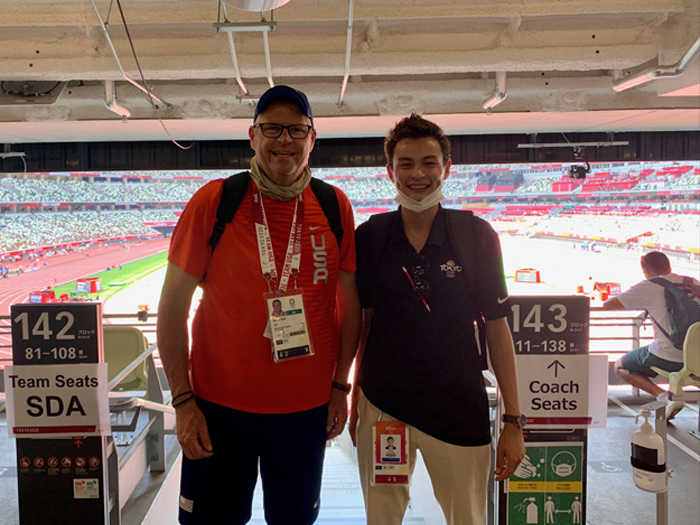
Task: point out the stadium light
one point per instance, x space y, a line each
256 5
574 144
242 27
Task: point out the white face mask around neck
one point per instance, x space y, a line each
419 206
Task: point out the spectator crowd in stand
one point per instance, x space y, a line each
48 191
366 187
25 231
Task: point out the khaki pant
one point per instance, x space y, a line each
459 475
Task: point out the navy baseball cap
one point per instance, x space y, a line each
277 93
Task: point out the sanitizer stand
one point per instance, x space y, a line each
660 428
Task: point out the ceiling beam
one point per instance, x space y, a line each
329 65
60 13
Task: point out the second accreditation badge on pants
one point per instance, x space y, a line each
390 458
288 328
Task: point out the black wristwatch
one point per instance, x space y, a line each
519 421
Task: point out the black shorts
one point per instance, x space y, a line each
289 448
639 362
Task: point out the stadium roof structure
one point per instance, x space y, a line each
538 66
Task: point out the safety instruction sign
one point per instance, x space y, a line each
59 479
57 400
547 487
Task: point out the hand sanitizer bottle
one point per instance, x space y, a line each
648 460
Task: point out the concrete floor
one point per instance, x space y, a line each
612 499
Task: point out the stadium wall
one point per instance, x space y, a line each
353 152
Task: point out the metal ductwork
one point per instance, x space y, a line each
119 64
234 58
499 95
111 101
234 27
655 73
348 52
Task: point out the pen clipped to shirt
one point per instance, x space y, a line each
410 280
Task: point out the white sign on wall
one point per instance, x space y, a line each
554 388
51 401
555 391
559 384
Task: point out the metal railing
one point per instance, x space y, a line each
612 333
154 403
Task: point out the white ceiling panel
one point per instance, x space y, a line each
436 57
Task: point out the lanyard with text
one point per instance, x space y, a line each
292 260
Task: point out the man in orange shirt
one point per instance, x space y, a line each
238 404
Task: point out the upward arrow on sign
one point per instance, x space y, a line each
556 364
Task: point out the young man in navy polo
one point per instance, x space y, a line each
420 363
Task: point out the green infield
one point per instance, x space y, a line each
115 280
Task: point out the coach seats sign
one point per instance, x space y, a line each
550 334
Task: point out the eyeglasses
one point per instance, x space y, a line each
273 131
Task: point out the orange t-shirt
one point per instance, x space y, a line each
231 362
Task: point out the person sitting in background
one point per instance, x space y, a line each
635 367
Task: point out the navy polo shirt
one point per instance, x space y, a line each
423 367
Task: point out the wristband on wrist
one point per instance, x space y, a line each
342 387
183 403
180 395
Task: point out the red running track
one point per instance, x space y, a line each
66 268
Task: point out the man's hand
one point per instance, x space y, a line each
337 413
510 451
192 432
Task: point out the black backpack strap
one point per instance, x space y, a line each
371 239
690 286
327 198
235 188
665 284
460 229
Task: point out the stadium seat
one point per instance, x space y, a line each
690 373
123 344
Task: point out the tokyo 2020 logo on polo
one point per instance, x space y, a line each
451 269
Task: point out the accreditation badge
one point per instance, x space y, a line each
391 465
287 327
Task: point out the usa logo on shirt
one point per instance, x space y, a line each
451 269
